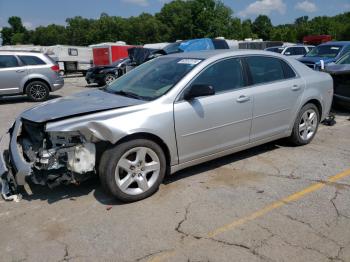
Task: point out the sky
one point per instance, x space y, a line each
44 12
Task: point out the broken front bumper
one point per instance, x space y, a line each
12 163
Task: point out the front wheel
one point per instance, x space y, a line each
132 170
305 126
109 78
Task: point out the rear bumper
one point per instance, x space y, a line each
58 84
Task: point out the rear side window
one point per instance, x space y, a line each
265 69
7 61
31 60
288 71
224 75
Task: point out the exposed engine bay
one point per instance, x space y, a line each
56 157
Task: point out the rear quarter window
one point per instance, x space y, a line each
31 60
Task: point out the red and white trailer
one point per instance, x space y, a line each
107 53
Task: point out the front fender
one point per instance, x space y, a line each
114 126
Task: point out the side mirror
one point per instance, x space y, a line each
199 90
287 53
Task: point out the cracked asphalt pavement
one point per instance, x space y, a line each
270 203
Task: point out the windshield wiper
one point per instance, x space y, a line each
130 94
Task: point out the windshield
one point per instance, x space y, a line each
344 60
116 63
328 51
173 48
275 49
152 79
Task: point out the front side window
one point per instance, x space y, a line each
7 61
327 51
265 69
31 60
224 75
154 78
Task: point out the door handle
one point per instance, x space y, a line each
20 71
295 87
242 99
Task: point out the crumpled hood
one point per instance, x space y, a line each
77 104
335 69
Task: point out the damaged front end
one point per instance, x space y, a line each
44 158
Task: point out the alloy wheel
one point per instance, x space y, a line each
38 91
109 79
137 170
308 124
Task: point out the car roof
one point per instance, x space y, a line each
206 54
19 52
341 43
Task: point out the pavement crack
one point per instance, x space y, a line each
337 257
223 242
178 227
249 249
66 256
150 255
319 234
298 246
332 200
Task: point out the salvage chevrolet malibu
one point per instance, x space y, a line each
167 114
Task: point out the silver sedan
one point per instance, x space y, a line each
170 113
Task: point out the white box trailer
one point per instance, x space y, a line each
71 59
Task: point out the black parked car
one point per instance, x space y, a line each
340 71
103 75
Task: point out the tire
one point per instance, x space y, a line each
306 125
37 91
123 177
109 78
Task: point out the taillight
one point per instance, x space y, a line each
55 68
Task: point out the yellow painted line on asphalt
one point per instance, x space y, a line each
294 197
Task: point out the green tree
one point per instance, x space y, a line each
16 33
262 27
49 35
176 16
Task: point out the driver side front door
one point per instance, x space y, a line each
211 124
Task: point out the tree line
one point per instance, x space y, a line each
179 19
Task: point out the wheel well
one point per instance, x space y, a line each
317 104
35 79
153 138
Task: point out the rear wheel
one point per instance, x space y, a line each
132 170
305 126
37 91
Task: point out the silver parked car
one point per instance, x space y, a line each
170 113
31 73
